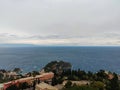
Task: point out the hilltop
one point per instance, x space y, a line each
57 66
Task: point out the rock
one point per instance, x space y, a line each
57 66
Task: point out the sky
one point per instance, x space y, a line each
60 22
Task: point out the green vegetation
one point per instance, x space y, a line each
81 88
85 87
17 70
33 73
57 66
68 84
13 87
113 84
21 86
100 80
98 84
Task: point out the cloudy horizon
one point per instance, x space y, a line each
60 22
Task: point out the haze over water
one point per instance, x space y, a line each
85 58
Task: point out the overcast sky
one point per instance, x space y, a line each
60 22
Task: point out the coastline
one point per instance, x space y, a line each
56 73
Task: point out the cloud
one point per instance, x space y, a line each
60 40
63 22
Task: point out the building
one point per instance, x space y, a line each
45 76
29 80
8 84
45 86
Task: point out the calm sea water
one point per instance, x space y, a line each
85 58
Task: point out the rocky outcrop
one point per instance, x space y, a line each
57 66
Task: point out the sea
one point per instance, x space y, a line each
88 58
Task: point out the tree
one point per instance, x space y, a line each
98 84
81 88
68 84
24 85
113 84
1 76
101 75
34 73
13 87
54 81
17 70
